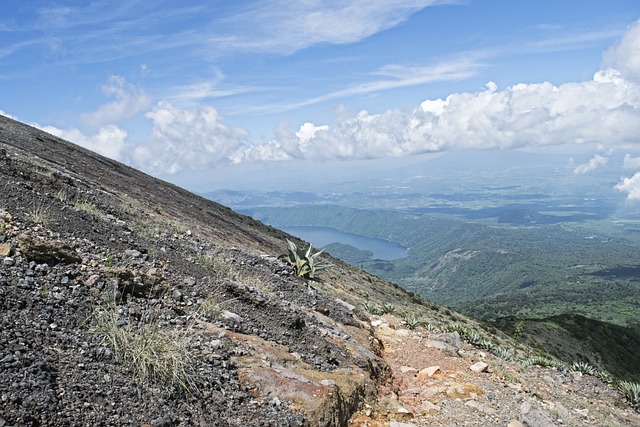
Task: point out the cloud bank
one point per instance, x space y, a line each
602 112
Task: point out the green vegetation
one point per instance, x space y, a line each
152 353
305 263
489 269
412 322
583 367
39 214
605 346
631 392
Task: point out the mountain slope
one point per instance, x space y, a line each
125 300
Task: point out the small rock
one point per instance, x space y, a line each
428 372
5 249
189 281
405 369
584 412
132 253
413 390
377 322
479 367
328 383
480 407
514 423
394 423
429 408
228 315
177 295
8 261
92 280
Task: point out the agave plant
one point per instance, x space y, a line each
388 308
631 392
583 367
502 353
304 263
545 362
372 308
412 322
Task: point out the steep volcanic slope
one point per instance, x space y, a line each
128 300
125 300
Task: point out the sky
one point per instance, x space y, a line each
219 94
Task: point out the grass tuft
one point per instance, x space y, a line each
154 354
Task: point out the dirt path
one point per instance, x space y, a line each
433 382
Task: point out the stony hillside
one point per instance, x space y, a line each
125 300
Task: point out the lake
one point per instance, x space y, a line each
322 236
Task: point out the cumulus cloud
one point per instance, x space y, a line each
128 102
604 110
187 138
624 55
595 162
631 186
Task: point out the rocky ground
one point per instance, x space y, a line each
125 300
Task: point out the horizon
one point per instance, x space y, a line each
252 95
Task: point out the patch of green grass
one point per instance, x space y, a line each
39 214
152 353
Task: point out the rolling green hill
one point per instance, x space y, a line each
577 338
488 269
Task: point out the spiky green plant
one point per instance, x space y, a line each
604 376
305 263
631 392
583 367
502 353
545 362
388 308
457 327
473 337
412 322
372 308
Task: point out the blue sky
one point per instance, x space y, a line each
197 91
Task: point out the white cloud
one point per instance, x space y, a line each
595 162
3 113
631 162
129 101
604 111
187 138
110 140
625 55
631 186
284 26
397 77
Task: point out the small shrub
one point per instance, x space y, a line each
583 367
457 327
39 214
631 392
502 353
372 308
604 376
412 322
305 263
388 308
431 327
545 362
153 354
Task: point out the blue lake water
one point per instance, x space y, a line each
322 236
